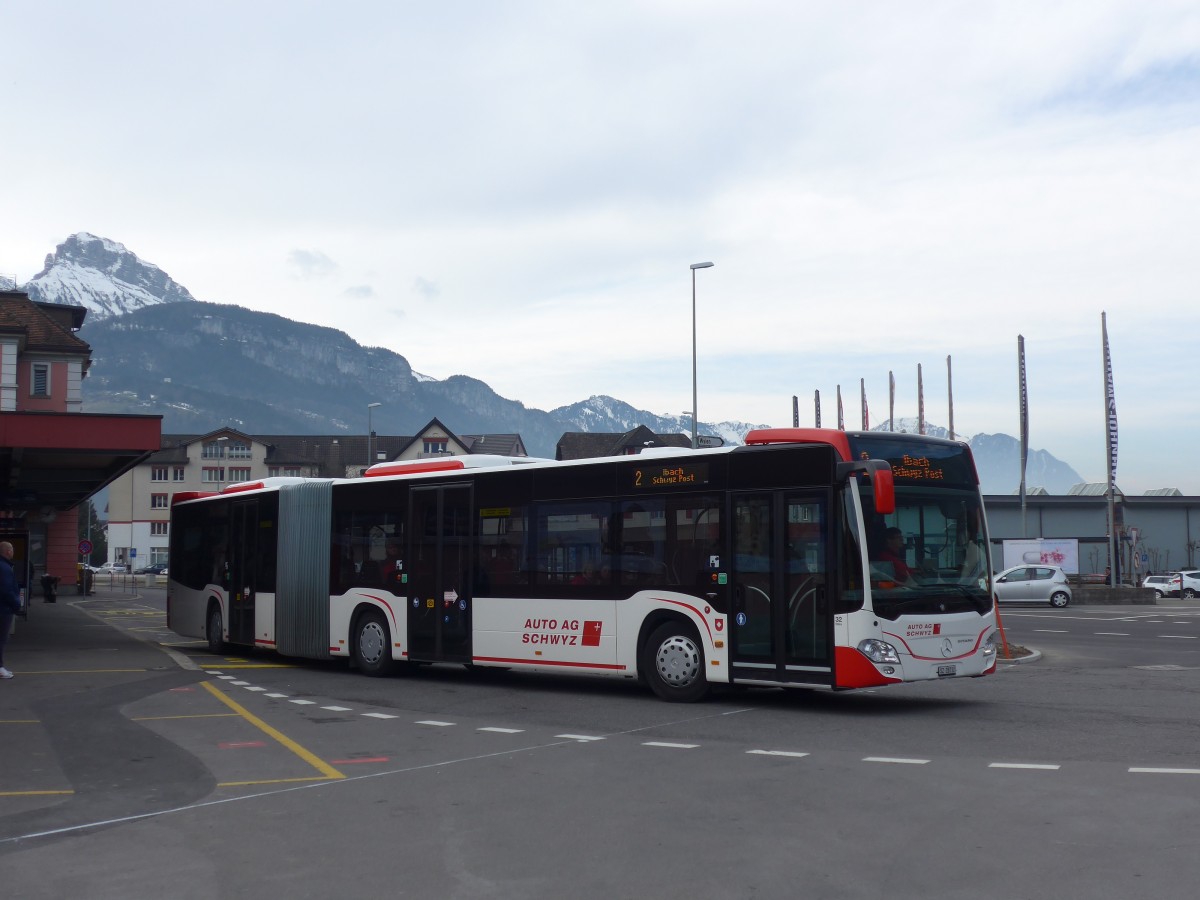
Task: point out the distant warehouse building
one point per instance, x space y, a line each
1158 531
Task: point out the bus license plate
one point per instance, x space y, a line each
947 670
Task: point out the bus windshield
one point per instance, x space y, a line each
930 555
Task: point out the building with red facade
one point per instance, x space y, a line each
53 456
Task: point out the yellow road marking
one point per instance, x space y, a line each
312 759
78 671
228 715
33 793
220 665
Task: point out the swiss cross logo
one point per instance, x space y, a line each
591 634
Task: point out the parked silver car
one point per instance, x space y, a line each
1033 584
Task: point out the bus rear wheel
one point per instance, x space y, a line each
373 644
214 630
673 663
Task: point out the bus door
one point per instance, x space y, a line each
439 572
781 630
243 556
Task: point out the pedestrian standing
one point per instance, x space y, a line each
10 600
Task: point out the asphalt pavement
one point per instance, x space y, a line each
63 739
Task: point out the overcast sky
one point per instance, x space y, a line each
515 191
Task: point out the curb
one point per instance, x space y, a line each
1034 656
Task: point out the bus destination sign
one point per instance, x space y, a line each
670 475
916 468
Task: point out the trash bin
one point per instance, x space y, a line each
50 588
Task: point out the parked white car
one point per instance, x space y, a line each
1033 584
1189 582
1163 585
111 568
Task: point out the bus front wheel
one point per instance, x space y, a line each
673 663
373 644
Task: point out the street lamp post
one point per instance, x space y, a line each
370 433
695 266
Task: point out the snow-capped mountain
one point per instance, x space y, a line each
602 413
998 460
102 276
153 355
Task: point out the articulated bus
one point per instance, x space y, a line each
806 558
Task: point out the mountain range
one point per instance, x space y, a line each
157 349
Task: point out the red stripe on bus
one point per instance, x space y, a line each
243 486
693 609
853 670
971 652
548 662
413 468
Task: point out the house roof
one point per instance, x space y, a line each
46 327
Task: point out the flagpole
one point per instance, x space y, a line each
1110 410
920 402
891 401
817 407
795 411
841 418
1024 405
950 395
862 387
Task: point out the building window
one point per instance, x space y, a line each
39 385
212 474
158 529
239 450
239 473
158 556
158 473
177 474
272 471
158 501
213 450
436 445
291 471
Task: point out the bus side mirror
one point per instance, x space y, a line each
884 488
883 485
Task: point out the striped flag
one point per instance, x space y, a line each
1111 402
862 387
841 418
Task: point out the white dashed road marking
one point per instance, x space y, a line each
1023 766
777 753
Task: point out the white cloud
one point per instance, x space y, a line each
878 185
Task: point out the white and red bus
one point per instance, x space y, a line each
775 563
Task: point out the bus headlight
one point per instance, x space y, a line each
878 651
989 646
